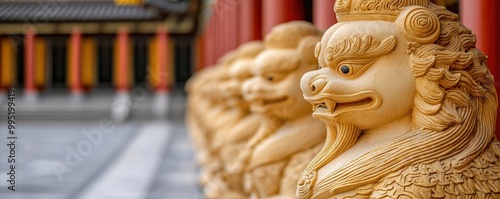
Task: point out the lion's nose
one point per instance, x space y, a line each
250 87
317 85
312 84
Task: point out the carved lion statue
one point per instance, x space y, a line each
204 103
409 105
239 124
269 163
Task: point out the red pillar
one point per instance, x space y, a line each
230 20
75 62
213 40
123 59
213 35
164 53
324 15
209 45
29 61
249 21
483 19
2 87
219 30
200 55
206 39
275 12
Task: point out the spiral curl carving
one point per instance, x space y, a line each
419 24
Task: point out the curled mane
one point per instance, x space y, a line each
455 98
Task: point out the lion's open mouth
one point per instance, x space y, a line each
275 100
333 105
328 105
262 103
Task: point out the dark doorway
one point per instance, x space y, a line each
141 43
19 50
59 61
182 58
105 61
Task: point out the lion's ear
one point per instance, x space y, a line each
306 49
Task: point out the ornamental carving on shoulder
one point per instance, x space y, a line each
409 104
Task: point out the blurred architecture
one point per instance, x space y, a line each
91 49
87 44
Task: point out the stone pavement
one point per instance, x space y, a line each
178 172
98 158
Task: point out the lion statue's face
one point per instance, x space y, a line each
230 89
274 89
364 78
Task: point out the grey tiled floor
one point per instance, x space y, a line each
42 143
177 177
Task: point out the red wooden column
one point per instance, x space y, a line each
75 62
483 18
249 21
3 87
212 38
209 44
122 76
218 17
163 63
207 52
324 15
200 55
29 61
275 12
230 20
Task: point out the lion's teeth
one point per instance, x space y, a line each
314 107
330 104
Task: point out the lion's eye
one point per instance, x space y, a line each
319 67
353 68
274 77
345 69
